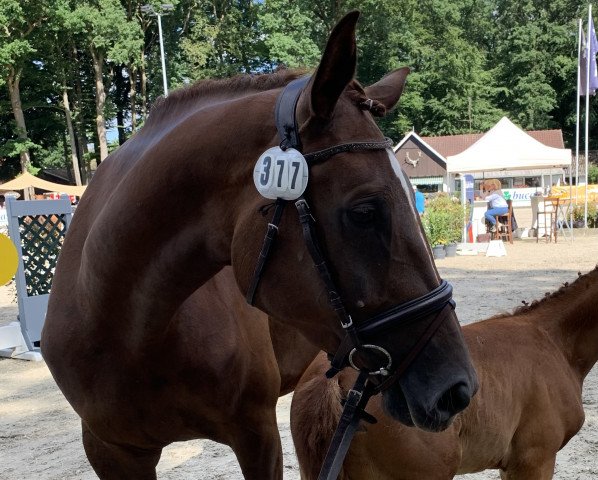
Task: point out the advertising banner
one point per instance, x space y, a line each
577 192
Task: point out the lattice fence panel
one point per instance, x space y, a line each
41 240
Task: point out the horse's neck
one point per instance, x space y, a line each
168 226
571 319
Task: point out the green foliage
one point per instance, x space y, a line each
33 170
14 147
579 212
593 174
224 40
443 220
284 25
199 48
472 61
51 158
19 18
592 215
104 26
451 89
536 50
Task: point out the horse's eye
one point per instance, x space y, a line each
363 215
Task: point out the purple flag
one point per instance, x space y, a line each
593 85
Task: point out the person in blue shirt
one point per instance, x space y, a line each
492 193
420 200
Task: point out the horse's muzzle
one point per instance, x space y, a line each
434 417
438 382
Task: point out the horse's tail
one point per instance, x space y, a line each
315 412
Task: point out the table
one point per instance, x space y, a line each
560 207
563 218
478 224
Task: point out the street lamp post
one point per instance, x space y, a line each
149 10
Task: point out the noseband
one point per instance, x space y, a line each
370 381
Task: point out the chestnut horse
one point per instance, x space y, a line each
531 365
138 331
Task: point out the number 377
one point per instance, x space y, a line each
286 174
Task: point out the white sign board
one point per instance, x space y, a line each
521 196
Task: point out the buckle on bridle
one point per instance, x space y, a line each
304 211
383 371
354 397
348 324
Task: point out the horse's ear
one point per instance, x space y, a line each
336 68
388 90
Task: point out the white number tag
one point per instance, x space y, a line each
281 174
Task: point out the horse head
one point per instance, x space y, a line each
369 236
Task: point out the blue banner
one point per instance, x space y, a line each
468 179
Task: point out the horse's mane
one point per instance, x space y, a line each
231 87
566 288
243 84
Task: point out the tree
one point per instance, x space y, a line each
284 24
60 70
451 89
20 19
536 57
224 39
71 67
110 37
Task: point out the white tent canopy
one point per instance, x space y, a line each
506 147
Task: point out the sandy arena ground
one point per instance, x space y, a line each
40 436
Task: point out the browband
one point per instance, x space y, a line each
321 155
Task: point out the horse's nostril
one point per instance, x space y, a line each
455 399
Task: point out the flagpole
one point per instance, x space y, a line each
577 117
588 39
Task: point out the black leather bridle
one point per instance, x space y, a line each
358 338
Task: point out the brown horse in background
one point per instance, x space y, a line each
142 334
531 367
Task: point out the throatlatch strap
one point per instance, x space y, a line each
268 241
353 412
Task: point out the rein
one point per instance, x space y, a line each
369 382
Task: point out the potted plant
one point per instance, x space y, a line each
439 252
435 226
451 249
443 224
578 214
455 228
592 215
